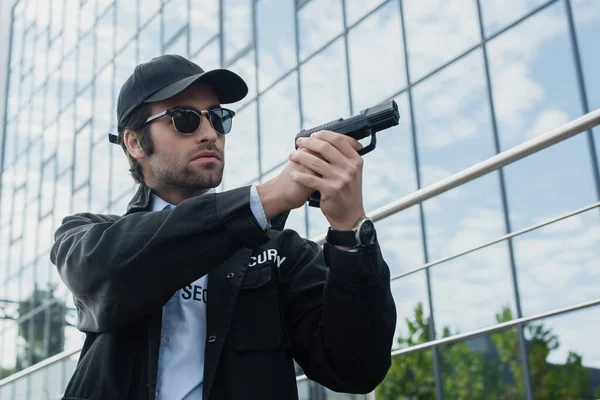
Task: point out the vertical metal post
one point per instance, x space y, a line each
524 354
582 92
432 334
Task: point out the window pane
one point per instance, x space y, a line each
81 199
63 198
126 22
479 282
437 31
66 136
57 12
13 94
279 122
45 238
325 86
209 57
498 14
30 232
50 140
179 46
105 38
276 40
48 185
559 258
84 107
535 90
52 96
483 367
83 142
18 213
150 41
237 23
587 23
453 120
121 180
150 8
124 66
104 113
34 170
319 22
389 170
564 354
376 58
357 9
241 149
246 68
68 80
99 178
70 27
175 15
86 60
204 22
87 15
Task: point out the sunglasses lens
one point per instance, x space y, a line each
221 120
186 121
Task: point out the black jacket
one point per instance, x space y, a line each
330 310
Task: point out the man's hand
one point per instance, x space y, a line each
331 165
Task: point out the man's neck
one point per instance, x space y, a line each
175 197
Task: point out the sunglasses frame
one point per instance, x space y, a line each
200 113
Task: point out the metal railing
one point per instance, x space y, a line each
500 160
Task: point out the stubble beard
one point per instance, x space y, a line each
177 173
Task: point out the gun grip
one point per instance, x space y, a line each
315 199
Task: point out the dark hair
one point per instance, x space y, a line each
135 122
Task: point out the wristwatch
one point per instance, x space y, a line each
362 234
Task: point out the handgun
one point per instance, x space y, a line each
367 123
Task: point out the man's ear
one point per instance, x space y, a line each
133 145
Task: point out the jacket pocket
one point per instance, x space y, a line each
257 322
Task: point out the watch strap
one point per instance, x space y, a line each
341 238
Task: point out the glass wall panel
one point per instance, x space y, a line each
70 24
175 16
209 57
241 150
87 16
377 69
100 174
178 45
68 80
564 355
63 197
276 37
535 90
279 122
84 107
48 186
149 43
81 168
86 61
355 10
586 14
237 26
66 138
150 8
498 14
559 258
105 34
319 21
57 15
126 24
246 68
204 22
437 31
104 114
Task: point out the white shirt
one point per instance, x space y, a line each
180 374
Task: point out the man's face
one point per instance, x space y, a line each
174 164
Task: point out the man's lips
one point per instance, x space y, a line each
207 155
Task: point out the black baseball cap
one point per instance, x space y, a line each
168 75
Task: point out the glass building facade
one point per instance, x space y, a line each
472 78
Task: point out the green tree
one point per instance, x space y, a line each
42 330
469 374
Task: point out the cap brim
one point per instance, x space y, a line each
228 86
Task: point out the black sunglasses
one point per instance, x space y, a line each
187 120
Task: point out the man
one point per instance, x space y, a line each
194 294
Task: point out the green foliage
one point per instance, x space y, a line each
498 374
43 329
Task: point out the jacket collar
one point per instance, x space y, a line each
141 202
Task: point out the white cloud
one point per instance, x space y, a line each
547 120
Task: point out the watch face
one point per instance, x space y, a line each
367 232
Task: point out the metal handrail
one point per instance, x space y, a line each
563 132
556 135
487 330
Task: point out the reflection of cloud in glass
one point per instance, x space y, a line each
376 57
246 68
470 290
408 292
357 9
241 150
499 13
319 21
204 22
276 40
209 57
437 31
561 258
174 18
237 26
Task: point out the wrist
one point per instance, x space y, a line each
347 224
272 204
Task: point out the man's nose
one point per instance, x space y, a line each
206 133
